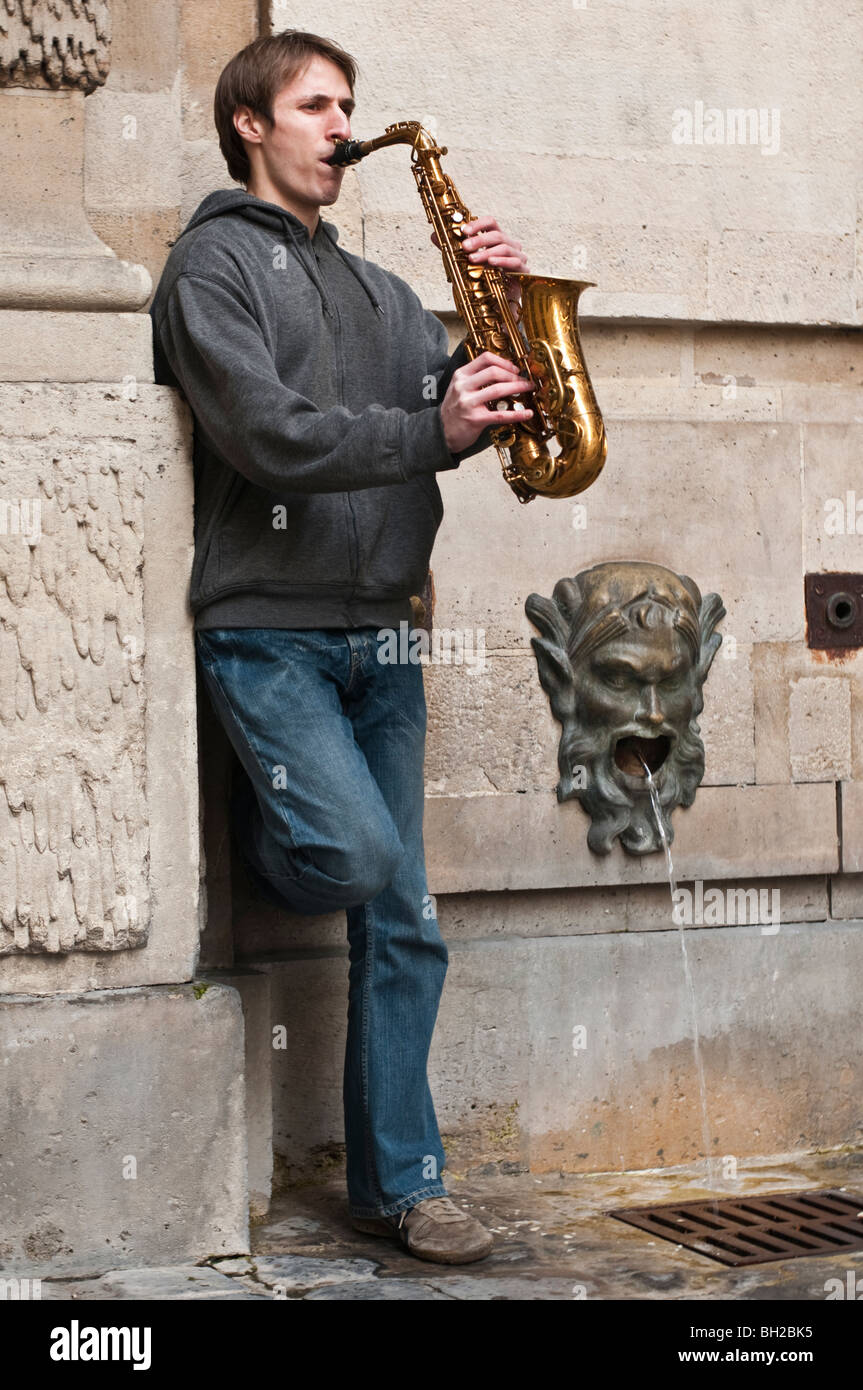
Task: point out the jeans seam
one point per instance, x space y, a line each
364 1073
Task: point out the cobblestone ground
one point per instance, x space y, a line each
553 1240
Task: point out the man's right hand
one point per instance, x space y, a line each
464 409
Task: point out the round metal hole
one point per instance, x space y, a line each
841 609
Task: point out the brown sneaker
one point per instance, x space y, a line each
435 1229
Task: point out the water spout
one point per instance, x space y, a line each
696 1040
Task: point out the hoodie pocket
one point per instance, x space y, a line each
300 541
397 526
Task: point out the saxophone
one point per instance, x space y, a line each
549 352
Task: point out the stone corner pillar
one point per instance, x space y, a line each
122 1130
50 58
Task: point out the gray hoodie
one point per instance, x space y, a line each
315 379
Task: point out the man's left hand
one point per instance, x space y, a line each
487 244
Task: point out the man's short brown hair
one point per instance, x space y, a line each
256 75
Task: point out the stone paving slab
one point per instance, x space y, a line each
165 1282
554 1240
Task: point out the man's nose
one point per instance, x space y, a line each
651 710
340 125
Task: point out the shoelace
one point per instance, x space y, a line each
439 1208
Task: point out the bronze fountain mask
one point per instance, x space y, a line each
625 651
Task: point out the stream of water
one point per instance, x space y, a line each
696 1040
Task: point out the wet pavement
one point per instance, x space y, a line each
553 1240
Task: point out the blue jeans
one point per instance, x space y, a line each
330 817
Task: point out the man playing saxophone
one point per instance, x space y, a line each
316 508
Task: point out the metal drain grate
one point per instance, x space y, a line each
753 1230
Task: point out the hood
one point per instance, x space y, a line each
283 223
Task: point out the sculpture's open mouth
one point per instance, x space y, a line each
628 754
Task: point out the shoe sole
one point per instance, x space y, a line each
370 1227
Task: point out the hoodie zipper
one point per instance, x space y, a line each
307 254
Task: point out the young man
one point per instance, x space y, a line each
317 442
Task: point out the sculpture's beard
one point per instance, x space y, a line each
614 788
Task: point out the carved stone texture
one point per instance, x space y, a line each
54 43
74 840
624 654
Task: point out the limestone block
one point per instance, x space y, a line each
203 171
74 838
832 404
783 277
490 728
58 347
50 256
100 845
123 1140
626 400
820 729
710 500
309 1022
846 896
728 832
467 917
132 153
833 497
727 721
253 987
777 669
479 1063
210 36
852 827
773 356
143 235
143 45
656 352
779 1044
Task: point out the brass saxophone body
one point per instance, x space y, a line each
548 349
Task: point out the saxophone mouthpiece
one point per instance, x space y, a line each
346 152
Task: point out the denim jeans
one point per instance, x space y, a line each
333 740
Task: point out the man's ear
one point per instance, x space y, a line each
552 660
711 614
248 124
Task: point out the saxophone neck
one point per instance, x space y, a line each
401 133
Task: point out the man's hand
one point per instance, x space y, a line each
487 244
464 409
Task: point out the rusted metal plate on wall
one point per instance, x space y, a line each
834 610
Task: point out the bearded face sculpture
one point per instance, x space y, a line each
624 653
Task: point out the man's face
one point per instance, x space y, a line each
639 688
309 115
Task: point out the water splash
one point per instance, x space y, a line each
696 1039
